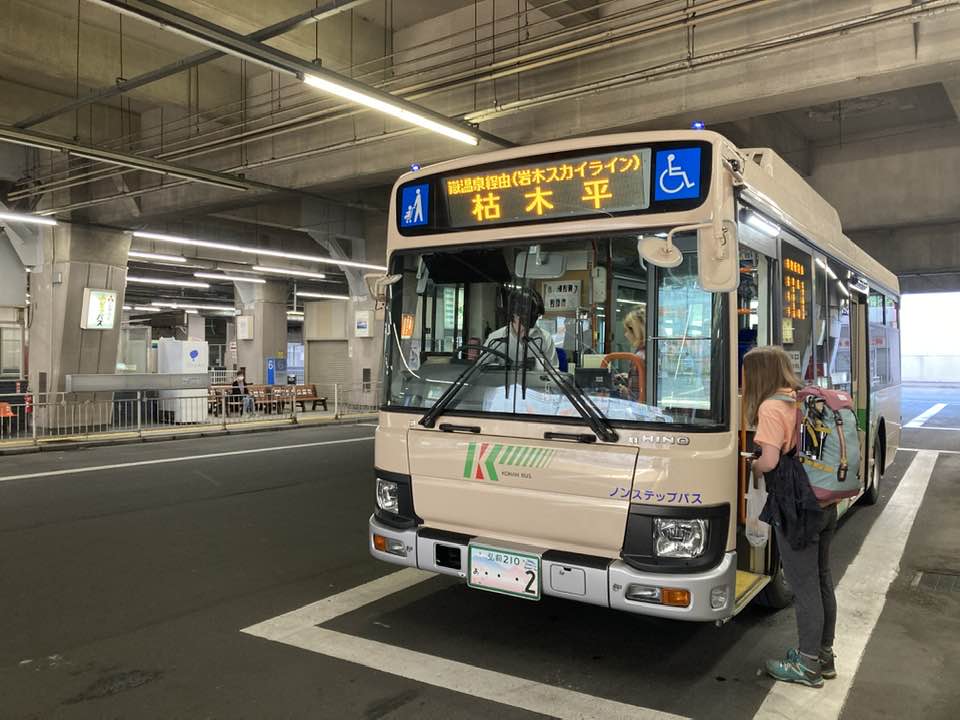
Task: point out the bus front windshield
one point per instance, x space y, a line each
642 344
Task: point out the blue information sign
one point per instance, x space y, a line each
415 205
677 174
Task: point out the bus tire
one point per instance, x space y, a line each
872 493
777 594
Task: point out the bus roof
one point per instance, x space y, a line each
769 180
786 194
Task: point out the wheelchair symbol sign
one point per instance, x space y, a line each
677 174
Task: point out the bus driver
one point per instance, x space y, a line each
524 308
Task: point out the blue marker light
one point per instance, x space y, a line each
698 125
414 167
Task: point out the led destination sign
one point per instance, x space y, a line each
609 181
584 185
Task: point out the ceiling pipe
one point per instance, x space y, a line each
214 36
604 41
327 10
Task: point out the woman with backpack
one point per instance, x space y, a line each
803 528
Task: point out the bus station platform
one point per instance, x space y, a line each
230 577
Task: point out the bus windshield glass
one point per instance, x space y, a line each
482 323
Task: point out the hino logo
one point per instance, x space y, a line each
660 440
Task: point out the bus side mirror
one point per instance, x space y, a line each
718 254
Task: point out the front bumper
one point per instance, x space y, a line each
575 577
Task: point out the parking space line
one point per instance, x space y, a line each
185 458
299 629
861 596
920 419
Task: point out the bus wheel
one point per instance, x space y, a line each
777 594
872 493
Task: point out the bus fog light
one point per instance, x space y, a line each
389 545
719 597
680 538
387 495
643 593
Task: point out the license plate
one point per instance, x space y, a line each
504 571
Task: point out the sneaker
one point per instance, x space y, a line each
794 669
828 667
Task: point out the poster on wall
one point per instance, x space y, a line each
244 327
362 324
99 309
562 295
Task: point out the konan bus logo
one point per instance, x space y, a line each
482 459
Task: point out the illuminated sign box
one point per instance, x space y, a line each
610 181
99 309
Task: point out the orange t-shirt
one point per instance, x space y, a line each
777 422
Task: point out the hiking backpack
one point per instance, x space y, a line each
828 442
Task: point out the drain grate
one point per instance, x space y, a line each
937 582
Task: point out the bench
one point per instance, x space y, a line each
308 393
263 397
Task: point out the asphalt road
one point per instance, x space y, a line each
125 590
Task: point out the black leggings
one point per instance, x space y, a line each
808 573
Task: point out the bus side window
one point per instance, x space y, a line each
836 355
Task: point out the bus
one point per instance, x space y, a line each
564 330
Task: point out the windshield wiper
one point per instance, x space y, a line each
429 418
579 399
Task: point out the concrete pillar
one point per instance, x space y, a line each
266 308
75 258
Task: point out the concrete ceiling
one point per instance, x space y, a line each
841 90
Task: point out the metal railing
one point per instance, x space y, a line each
54 417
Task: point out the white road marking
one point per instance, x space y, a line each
187 458
299 629
933 427
861 596
920 419
948 452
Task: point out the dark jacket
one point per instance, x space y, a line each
791 504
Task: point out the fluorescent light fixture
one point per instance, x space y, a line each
162 237
322 296
762 224
192 312
660 235
156 256
192 306
297 313
26 218
230 278
831 273
630 302
843 289
127 307
289 271
146 308
389 108
171 283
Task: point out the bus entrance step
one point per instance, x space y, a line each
748 585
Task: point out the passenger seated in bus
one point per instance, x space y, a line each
631 383
524 308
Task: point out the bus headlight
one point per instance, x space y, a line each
680 538
387 495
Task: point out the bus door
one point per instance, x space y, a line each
755 323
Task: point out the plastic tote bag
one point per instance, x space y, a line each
757 531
